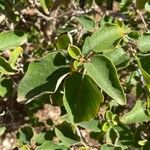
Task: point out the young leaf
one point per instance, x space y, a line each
109 116
12 39
104 74
64 40
82 97
106 126
137 114
74 51
104 39
41 76
144 44
13 57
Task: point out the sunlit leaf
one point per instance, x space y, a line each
104 39
12 39
104 74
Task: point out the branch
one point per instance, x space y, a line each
143 20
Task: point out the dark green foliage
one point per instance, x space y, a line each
85 61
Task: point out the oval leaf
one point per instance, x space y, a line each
82 96
74 51
104 39
64 40
40 77
104 74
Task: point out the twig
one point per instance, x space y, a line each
83 141
137 12
143 20
44 16
71 13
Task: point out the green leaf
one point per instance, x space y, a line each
92 125
143 43
87 23
141 3
106 126
74 51
77 64
13 57
6 86
59 60
57 97
137 115
12 39
48 145
25 147
5 67
40 77
66 134
82 97
126 136
109 116
118 56
39 138
104 39
143 64
64 40
46 4
25 135
142 142
112 136
104 74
